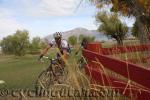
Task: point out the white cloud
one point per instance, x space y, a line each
8 24
51 7
42 8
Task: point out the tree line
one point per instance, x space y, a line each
19 44
74 40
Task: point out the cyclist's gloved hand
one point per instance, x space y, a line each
40 57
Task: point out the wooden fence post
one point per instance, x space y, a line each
95 47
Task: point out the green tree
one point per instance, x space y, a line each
35 43
81 36
89 38
42 44
20 42
6 45
72 40
112 26
16 44
135 30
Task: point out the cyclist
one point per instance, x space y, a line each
83 45
61 44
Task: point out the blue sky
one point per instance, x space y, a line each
43 17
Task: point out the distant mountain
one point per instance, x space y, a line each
78 31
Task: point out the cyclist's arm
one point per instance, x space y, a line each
45 50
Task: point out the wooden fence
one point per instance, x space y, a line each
137 78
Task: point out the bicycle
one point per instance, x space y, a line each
49 77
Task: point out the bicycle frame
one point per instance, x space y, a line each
51 74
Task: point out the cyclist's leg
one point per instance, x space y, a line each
62 58
61 62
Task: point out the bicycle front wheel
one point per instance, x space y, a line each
45 79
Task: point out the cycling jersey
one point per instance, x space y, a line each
64 44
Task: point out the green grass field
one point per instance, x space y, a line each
109 44
22 72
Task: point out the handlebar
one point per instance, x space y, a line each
49 58
46 57
52 60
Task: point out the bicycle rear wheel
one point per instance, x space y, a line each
60 72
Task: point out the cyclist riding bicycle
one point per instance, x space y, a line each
61 44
